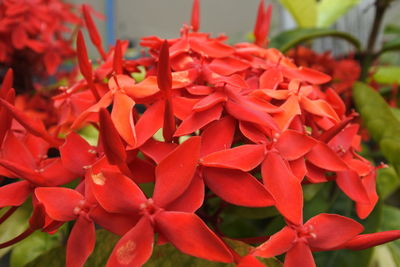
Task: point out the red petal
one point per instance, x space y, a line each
145 88
83 60
118 224
169 125
195 20
306 74
284 187
322 156
244 157
14 150
51 61
271 78
93 33
214 49
55 174
198 119
14 194
210 101
293 145
149 122
34 126
157 150
218 136
299 255
142 170
250 261
121 83
118 61
228 66
19 37
60 203
351 184
111 141
241 112
319 107
237 187
81 242
7 83
365 241
135 247
343 138
122 116
164 76
24 173
290 109
191 235
77 154
369 183
175 172
192 199
115 192
254 132
298 168
104 102
331 230
277 244
199 90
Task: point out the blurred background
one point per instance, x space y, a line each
132 19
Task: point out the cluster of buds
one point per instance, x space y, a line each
241 121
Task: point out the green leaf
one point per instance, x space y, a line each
387 182
54 258
139 76
348 258
379 120
387 75
390 221
383 256
330 10
391 45
253 213
33 246
304 12
289 39
391 29
105 242
90 134
13 226
168 256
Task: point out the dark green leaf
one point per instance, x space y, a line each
387 181
253 213
105 242
33 246
392 45
54 258
289 39
379 120
13 226
168 256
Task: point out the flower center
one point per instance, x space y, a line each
148 207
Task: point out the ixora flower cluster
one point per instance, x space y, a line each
241 120
36 36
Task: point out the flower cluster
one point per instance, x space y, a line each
241 121
34 35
